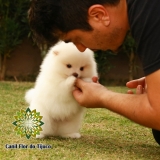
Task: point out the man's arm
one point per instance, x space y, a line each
143 109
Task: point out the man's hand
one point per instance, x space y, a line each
88 94
143 109
139 84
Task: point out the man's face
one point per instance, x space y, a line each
109 24
97 39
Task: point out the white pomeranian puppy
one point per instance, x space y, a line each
52 94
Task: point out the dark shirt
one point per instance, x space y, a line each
144 19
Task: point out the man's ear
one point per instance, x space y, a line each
99 13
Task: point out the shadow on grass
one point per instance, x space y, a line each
110 146
119 146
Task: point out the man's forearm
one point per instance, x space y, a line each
135 107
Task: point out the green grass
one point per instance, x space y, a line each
105 135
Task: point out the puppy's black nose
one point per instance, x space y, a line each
75 75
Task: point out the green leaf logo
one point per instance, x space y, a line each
28 123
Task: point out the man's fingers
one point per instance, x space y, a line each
130 92
139 89
95 79
78 94
79 83
135 83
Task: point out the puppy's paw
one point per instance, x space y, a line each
72 135
40 136
70 80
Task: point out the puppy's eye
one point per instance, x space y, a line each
69 66
82 68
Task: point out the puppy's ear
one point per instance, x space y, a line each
55 53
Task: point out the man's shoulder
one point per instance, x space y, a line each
144 22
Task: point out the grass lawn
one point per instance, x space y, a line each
105 135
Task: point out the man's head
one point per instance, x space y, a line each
54 20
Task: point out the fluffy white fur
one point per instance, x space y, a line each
52 94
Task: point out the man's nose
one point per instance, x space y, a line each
80 47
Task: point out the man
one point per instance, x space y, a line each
102 25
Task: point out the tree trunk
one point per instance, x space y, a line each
131 65
3 66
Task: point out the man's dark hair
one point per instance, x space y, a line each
50 18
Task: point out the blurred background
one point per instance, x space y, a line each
20 57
